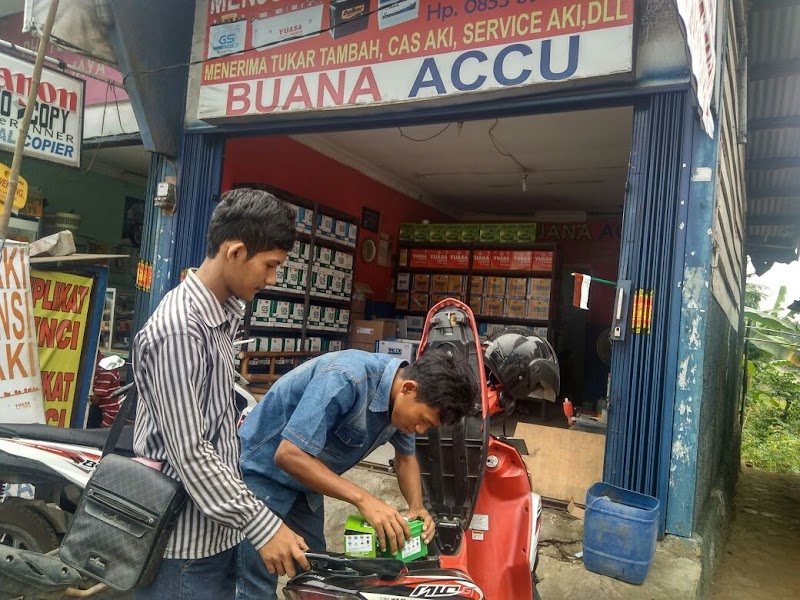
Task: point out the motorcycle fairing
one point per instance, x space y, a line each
452 459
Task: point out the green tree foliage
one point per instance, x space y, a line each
771 431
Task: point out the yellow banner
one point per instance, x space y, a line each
21 197
60 308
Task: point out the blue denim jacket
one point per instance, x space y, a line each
335 407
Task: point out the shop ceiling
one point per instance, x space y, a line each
542 166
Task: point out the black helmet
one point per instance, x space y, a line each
522 363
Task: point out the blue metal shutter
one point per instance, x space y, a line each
651 256
199 178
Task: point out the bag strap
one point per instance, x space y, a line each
119 421
122 417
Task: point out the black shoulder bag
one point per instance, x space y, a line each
125 516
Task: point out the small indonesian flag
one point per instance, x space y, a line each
580 295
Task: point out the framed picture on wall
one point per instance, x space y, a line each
370 219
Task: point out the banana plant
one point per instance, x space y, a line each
776 335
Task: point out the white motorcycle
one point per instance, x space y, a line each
43 472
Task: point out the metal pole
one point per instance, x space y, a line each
26 121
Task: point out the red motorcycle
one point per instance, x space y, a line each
476 485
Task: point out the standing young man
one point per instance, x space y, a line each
324 417
186 418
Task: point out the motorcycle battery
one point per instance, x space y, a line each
348 17
360 541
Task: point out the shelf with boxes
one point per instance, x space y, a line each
501 285
308 308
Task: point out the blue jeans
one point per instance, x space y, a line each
211 578
253 581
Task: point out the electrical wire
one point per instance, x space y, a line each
100 136
525 169
295 38
427 139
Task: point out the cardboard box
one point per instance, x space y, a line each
295 278
507 232
404 349
419 301
493 306
314 315
422 232
521 260
515 308
476 304
352 234
542 260
366 347
325 225
437 232
495 286
452 233
501 260
414 326
418 258
538 309
470 232
337 283
369 332
323 256
539 288
360 540
406 233
421 282
402 257
297 311
439 283
436 298
335 345
343 317
313 344
517 287
476 285
340 229
403 282
526 232
358 298
482 259
490 232
456 284
402 300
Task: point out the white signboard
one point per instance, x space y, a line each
292 56
21 399
56 129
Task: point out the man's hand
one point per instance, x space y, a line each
390 526
282 550
428 527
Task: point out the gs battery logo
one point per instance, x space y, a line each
226 38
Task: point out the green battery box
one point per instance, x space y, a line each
360 540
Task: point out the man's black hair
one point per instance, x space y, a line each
445 383
256 218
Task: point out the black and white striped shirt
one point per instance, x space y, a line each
183 365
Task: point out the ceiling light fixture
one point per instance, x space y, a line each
524 181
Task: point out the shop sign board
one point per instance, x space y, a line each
289 56
56 130
61 308
20 379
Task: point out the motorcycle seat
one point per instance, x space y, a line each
94 438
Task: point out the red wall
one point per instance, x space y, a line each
594 244
291 166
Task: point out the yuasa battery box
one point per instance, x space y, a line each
360 540
348 17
